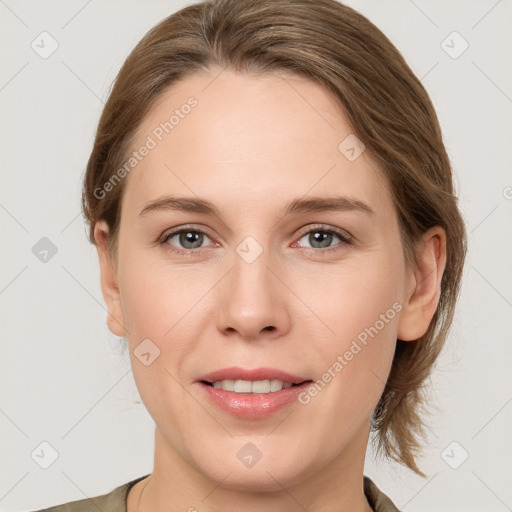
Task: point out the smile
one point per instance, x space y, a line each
248 386
252 393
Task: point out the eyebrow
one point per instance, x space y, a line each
298 205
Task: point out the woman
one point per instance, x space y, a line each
280 245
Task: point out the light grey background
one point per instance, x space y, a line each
64 377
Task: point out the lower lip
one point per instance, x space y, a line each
253 405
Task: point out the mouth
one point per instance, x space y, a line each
252 386
252 394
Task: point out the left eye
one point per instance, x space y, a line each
322 238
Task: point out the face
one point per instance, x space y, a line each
294 273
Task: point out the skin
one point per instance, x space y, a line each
251 146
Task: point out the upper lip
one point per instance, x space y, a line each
254 374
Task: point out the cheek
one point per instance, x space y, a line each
358 305
163 303
159 303
158 297
345 298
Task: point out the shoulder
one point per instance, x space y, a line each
114 501
377 499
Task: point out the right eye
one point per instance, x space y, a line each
189 239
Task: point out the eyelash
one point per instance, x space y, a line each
345 237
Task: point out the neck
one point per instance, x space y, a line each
177 483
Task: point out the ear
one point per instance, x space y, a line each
109 285
424 286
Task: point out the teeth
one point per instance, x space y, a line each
243 386
249 386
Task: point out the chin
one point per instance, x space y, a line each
263 479
257 465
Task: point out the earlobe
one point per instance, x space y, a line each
109 284
422 296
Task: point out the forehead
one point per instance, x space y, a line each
248 140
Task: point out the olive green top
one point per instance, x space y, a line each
115 501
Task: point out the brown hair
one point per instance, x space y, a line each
386 105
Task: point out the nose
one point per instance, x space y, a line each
253 300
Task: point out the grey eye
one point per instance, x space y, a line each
187 238
320 238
